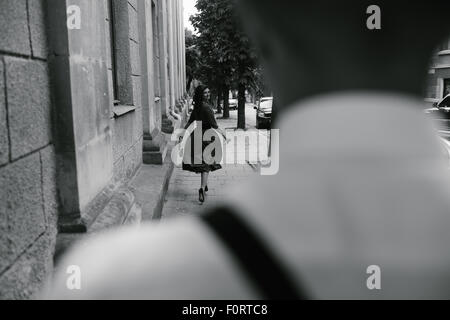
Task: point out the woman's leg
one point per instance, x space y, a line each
204 180
201 192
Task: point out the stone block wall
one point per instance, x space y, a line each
28 201
73 106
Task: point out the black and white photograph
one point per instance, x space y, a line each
224 154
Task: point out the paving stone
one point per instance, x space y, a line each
4 144
14 36
29 114
49 186
38 28
25 279
22 218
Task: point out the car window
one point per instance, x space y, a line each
266 104
445 102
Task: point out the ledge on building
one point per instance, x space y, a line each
119 110
443 52
442 66
113 207
150 187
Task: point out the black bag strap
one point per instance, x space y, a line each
260 265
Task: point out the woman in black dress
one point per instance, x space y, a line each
193 160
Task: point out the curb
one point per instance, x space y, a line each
157 213
120 208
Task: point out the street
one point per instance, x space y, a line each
250 116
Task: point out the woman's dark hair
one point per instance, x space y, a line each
198 97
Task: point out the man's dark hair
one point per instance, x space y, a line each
403 22
332 40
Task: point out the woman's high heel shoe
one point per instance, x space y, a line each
201 195
206 189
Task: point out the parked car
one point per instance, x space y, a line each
440 113
264 113
233 103
264 99
440 109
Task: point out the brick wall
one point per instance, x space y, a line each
28 205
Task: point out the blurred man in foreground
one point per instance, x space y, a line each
363 182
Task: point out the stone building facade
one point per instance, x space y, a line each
88 90
439 74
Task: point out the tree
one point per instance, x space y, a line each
228 60
192 58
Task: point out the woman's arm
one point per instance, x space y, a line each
223 133
213 123
191 119
212 119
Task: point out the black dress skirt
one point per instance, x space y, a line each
193 159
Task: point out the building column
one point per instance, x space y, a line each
171 54
183 44
179 23
180 50
146 55
163 18
154 144
83 135
183 53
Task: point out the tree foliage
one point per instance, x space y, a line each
227 60
192 58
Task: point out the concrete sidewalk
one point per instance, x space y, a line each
182 196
